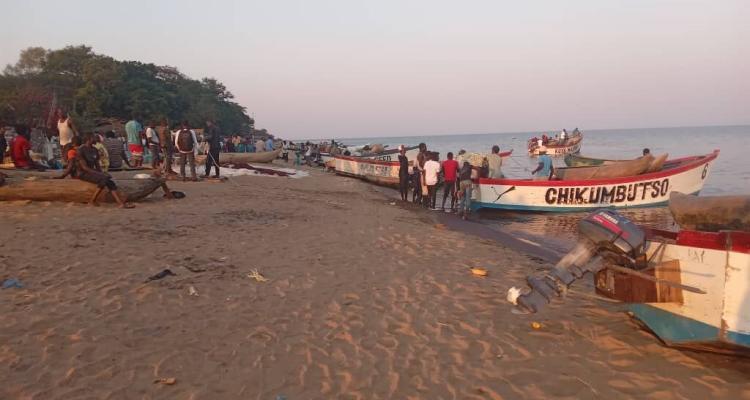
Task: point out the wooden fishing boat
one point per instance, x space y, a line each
41 187
716 317
686 175
711 213
558 147
383 173
617 170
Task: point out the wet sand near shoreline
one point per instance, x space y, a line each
364 300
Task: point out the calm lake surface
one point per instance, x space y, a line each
730 173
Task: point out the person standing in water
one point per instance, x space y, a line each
544 168
403 173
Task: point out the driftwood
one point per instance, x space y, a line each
41 187
710 213
617 170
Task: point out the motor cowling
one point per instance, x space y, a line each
604 234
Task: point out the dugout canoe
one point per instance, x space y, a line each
712 213
686 175
239 158
555 147
44 188
616 170
384 173
575 160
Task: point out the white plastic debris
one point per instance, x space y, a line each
513 294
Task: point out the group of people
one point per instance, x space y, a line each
457 177
428 172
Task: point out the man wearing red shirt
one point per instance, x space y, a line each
20 150
450 169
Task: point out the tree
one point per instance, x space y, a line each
31 61
92 86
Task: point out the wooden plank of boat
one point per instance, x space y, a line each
685 175
616 170
570 145
712 213
392 154
577 160
383 173
259 157
41 188
716 262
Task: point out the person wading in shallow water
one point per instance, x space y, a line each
403 173
88 169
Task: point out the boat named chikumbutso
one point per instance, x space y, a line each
383 173
686 175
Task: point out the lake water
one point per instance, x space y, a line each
730 173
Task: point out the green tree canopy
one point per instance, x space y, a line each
92 86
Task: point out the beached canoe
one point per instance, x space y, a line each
383 173
558 147
686 175
712 213
241 158
44 188
718 263
617 170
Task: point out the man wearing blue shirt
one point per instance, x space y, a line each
269 144
545 168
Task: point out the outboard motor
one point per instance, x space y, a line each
605 234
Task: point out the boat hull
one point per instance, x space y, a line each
261 157
384 173
716 263
20 187
683 175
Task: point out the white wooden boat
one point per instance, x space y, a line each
555 147
685 175
379 172
717 263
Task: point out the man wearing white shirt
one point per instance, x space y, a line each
153 145
185 142
431 171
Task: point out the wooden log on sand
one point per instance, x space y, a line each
41 187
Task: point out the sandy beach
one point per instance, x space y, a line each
364 299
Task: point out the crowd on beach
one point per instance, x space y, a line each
457 176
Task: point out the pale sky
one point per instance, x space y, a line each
347 68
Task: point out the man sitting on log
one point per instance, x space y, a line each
87 169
